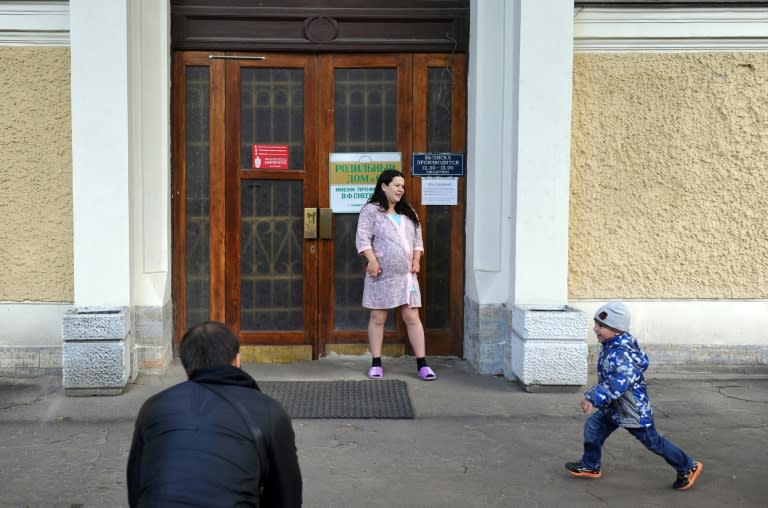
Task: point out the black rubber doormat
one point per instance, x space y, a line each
380 398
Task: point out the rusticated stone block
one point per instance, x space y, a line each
95 368
547 348
541 322
96 351
96 323
486 332
547 363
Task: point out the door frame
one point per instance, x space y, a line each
178 189
328 64
306 26
233 202
317 262
444 341
333 26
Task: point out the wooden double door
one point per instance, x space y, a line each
243 252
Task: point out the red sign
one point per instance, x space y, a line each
270 157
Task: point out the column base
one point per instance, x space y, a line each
546 350
96 351
486 332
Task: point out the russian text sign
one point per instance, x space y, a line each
439 191
353 177
269 157
437 164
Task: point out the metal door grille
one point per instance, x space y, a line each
198 194
272 112
365 114
271 255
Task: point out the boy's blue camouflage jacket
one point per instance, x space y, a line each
621 392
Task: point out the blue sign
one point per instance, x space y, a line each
437 164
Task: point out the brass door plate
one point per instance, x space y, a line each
310 223
326 223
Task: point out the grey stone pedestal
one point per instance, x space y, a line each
96 351
547 350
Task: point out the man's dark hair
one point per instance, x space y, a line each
207 345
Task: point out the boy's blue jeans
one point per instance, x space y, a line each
598 427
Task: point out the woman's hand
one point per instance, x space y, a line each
586 406
373 268
415 265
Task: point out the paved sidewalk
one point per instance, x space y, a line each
476 441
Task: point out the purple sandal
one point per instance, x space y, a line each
427 374
375 373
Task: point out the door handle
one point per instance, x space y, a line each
310 223
326 223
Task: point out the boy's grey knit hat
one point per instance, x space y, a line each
614 315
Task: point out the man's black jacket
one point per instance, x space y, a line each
191 448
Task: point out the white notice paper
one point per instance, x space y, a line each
439 191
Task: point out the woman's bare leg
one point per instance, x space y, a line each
415 330
376 331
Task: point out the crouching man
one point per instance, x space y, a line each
215 439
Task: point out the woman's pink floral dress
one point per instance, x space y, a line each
393 245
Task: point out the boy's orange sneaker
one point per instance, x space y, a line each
578 470
686 481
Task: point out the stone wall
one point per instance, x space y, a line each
153 328
486 335
668 176
36 175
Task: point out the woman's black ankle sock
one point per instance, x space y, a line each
421 362
376 362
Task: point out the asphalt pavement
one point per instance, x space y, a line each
476 441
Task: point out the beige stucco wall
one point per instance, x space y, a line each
669 176
35 175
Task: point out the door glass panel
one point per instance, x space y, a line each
365 120
349 314
438 229
272 112
197 196
349 276
365 114
271 255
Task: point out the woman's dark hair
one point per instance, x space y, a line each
378 197
207 345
